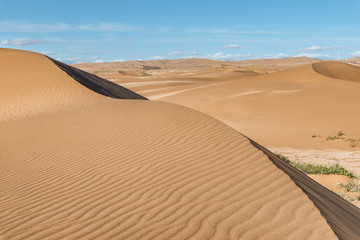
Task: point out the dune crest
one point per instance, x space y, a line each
338 70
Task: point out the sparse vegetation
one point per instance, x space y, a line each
316 136
349 190
340 135
310 168
350 186
348 197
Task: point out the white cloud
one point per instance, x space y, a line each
228 57
232 46
81 60
8 26
116 27
17 26
117 60
157 58
355 54
89 52
180 53
229 31
20 42
279 55
318 48
190 57
313 55
48 53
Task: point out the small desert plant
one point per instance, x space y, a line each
352 142
282 157
350 186
332 138
340 133
316 136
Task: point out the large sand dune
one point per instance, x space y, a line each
338 70
76 164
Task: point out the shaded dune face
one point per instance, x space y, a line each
97 84
338 70
76 164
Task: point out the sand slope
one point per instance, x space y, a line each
292 105
338 70
79 165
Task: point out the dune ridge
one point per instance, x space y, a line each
338 70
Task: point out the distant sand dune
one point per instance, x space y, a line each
338 70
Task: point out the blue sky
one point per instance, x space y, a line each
103 31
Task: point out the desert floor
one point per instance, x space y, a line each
294 106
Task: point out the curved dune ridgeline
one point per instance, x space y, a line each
76 164
338 70
97 84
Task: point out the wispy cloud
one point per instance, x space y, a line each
73 60
8 26
48 53
228 57
26 27
313 55
355 54
157 58
279 55
114 27
318 48
21 42
233 31
230 31
232 46
89 52
180 53
117 60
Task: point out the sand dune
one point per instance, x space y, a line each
76 164
338 70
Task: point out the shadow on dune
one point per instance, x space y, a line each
338 70
342 216
97 84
